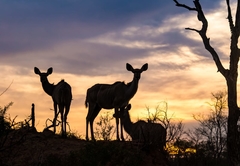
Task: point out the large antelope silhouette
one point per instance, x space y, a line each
61 94
146 132
109 96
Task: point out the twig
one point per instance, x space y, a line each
6 88
184 6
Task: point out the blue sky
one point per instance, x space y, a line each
88 42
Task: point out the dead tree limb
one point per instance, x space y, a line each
6 88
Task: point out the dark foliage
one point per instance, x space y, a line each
29 147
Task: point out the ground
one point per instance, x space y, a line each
26 147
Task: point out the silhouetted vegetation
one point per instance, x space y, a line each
114 152
203 145
206 143
8 126
46 148
174 127
230 74
5 121
104 127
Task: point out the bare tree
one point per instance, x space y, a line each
213 127
174 128
230 75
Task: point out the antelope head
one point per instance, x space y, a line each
126 109
137 72
43 76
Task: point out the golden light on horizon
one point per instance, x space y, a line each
183 90
179 76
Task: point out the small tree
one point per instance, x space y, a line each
104 127
175 129
211 135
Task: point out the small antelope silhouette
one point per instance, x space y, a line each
110 96
149 133
61 95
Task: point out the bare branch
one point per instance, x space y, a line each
235 30
203 34
229 17
184 6
237 23
192 29
6 88
13 121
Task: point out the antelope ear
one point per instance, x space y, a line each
129 67
36 70
144 67
50 70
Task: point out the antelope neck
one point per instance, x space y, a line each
132 88
47 87
127 124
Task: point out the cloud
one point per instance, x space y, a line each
28 26
66 36
40 24
88 42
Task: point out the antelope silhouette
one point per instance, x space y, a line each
61 94
147 132
109 96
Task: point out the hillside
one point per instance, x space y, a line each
30 148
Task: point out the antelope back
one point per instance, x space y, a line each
62 93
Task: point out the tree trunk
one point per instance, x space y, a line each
233 142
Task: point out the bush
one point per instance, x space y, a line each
5 122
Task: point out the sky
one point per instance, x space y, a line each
88 42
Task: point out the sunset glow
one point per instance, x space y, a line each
88 48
